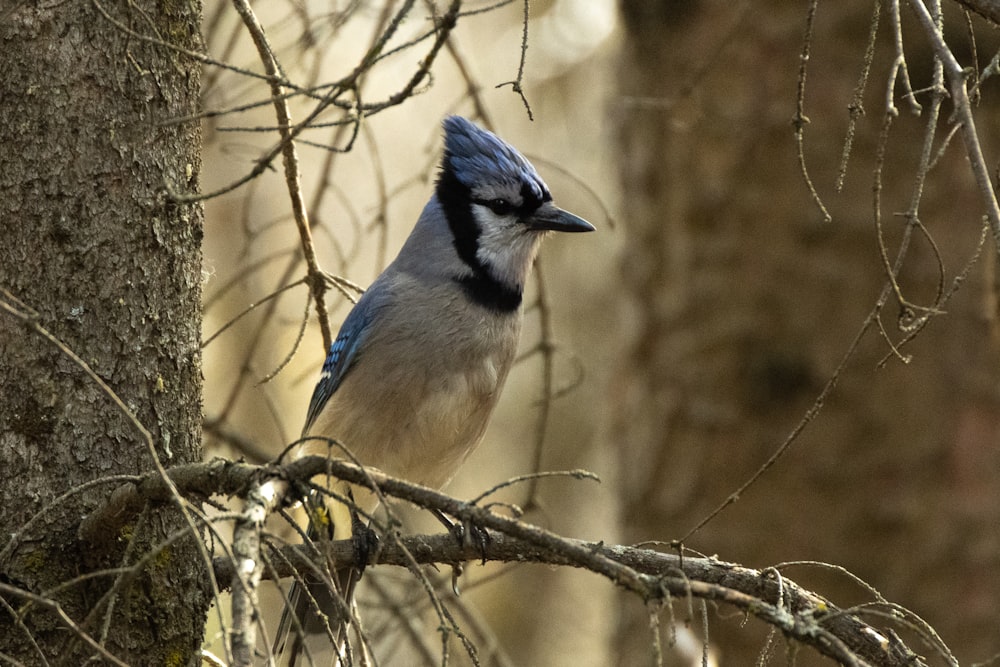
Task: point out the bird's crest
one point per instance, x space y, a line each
476 157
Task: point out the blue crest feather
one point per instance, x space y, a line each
475 155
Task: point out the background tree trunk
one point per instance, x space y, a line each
94 249
746 301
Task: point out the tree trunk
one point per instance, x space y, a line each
94 252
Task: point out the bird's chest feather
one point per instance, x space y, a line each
445 422
418 414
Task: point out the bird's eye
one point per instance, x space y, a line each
498 206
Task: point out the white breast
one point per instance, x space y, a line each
413 420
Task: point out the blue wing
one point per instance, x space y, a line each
342 355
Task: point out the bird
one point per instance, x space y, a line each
415 372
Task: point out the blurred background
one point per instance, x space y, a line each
694 331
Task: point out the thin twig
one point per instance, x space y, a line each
801 120
517 85
856 108
957 81
293 177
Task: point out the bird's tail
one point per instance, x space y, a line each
320 609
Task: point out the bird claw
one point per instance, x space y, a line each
469 534
466 534
456 571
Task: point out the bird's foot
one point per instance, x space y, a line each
467 534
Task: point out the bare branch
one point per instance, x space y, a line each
796 612
260 502
293 177
988 9
956 77
800 120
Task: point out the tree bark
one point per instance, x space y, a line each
95 253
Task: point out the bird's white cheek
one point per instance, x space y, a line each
506 248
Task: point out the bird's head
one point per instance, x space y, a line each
497 206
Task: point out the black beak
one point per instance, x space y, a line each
550 217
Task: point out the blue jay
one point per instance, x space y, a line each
417 367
